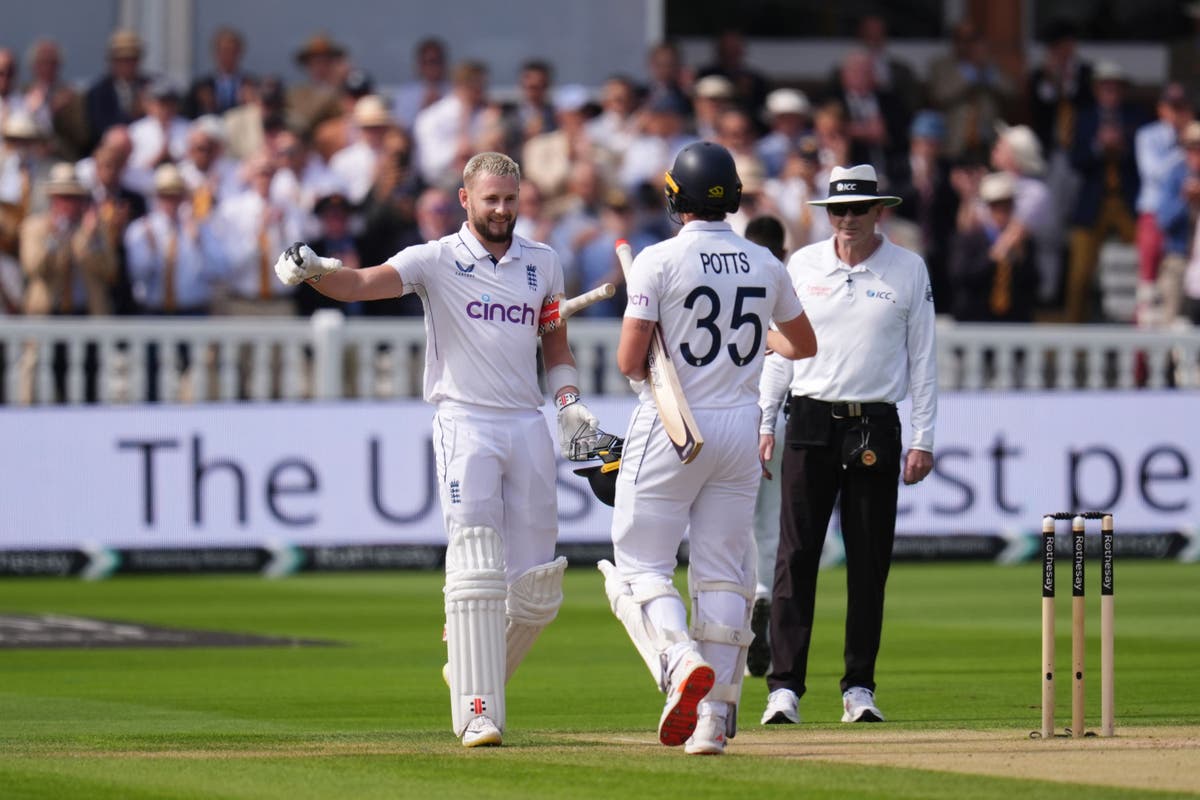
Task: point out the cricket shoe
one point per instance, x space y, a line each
783 707
859 705
690 681
481 732
709 737
758 655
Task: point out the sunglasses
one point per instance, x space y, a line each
854 209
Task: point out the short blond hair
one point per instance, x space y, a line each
496 164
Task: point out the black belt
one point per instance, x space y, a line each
844 410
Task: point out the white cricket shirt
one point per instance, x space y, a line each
875 331
480 317
714 294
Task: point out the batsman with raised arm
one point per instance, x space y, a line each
483 289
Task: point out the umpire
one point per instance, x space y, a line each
871 305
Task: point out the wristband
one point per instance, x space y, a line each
564 399
562 376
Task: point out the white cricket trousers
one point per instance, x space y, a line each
659 498
496 467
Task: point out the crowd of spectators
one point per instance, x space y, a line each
139 196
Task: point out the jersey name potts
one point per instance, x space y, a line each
488 311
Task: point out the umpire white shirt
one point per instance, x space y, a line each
481 317
714 294
875 331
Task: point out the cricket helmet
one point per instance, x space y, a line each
703 180
602 477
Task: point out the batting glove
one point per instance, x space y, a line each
299 263
575 422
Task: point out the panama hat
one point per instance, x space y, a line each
855 184
996 187
61 181
169 180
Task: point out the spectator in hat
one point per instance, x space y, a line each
51 99
315 99
174 259
985 287
220 90
712 96
69 271
445 132
354 166
922 180
429 83
596 262
24 167
789 115
343 130
1103 157
159 137
115 99
1157 150
1018 152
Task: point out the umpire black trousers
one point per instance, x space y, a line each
813 480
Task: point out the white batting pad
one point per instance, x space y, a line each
533 603
651 641
475 594
721 629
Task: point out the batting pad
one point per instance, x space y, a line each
533 603
651 642
475 594
716 604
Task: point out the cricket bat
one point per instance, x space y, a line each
554 312
673 408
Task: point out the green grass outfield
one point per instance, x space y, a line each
369 718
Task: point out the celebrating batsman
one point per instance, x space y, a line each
483 289
713 293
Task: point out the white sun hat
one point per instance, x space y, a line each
855 184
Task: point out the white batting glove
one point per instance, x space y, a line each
575 421
299 263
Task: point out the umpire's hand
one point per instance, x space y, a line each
917 464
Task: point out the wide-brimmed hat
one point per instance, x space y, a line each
371 111
855 184
124 44
996 187
169 180
714 87
20 125
319 45
61 180
787 101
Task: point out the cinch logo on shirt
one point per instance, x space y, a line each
485 309
638 300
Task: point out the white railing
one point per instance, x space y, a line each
125 360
